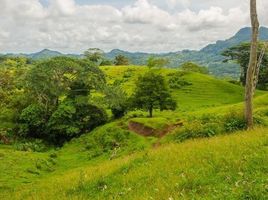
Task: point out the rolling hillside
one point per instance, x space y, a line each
226 167
194 159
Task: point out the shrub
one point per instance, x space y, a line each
234 121
196 129
176 82
36 145
72 119
112 140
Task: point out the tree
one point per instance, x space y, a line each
153 62
192 67
94 55
116 99
152 92
121 60
72 118
49 80
58 107
240 54
251 71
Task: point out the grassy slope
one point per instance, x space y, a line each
73 171
205 90
205 94
225 167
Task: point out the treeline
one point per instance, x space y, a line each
54 100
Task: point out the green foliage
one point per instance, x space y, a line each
32 121
240 54
153 62
117 100
209 125
121 60
71 119
113 141
35 145
234 121
176 81
152 92
94 55
57 107
192 67
106 62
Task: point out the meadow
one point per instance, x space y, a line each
206 156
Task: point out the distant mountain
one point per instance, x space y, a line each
209 56
243 35
44 54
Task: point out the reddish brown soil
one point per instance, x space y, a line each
147 131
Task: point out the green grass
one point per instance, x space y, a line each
225 167
114 163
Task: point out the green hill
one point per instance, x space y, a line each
194 152
226 167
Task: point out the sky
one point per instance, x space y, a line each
72 26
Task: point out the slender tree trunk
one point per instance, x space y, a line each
252 65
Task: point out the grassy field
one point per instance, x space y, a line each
114 163
224 167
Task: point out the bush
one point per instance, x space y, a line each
210 125
234 121
177 81
196 129
72 119
135 114
36 145
113 141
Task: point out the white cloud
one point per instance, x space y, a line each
147 25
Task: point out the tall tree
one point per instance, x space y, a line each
152 92
121 60
154 62
94 55
249 90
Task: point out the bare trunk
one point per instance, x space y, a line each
257 72
252 65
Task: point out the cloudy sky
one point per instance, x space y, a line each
72 26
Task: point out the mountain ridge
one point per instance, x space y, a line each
209 56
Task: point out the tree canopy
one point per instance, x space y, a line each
240 54
192 67
152 92
121 60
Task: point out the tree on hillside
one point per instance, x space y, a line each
252 67
94 55
121 60
241 53
116 99
152 92
58 106
192 67
154 62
